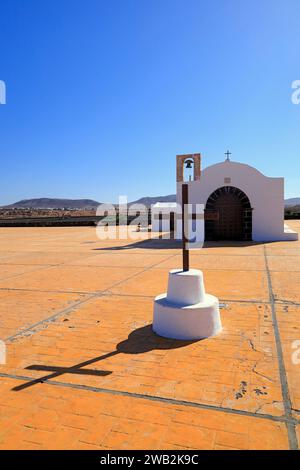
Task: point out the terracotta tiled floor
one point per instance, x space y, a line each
85 371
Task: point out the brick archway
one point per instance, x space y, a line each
228 215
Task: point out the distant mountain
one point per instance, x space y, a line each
294 201
49 203
90 204
147 201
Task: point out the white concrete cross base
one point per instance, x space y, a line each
186 312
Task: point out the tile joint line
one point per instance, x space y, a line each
170 401
292 436
91 296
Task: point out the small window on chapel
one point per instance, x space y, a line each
227 180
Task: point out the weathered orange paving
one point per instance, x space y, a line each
21 309
78 319
51 417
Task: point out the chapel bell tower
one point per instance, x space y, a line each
188 167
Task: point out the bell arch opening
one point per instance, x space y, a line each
188 170
228 215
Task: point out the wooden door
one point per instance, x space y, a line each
230 221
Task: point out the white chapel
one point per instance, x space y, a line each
240 203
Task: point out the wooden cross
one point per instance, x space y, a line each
185 250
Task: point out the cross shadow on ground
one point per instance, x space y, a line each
152 244
169 244
139 341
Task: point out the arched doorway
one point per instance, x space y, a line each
228 215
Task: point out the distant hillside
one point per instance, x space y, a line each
90 204
294 201
147 201
48 203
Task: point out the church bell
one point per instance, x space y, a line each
188 163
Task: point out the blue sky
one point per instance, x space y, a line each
102 94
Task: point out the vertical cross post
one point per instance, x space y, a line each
185 251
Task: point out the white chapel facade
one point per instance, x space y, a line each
240 202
